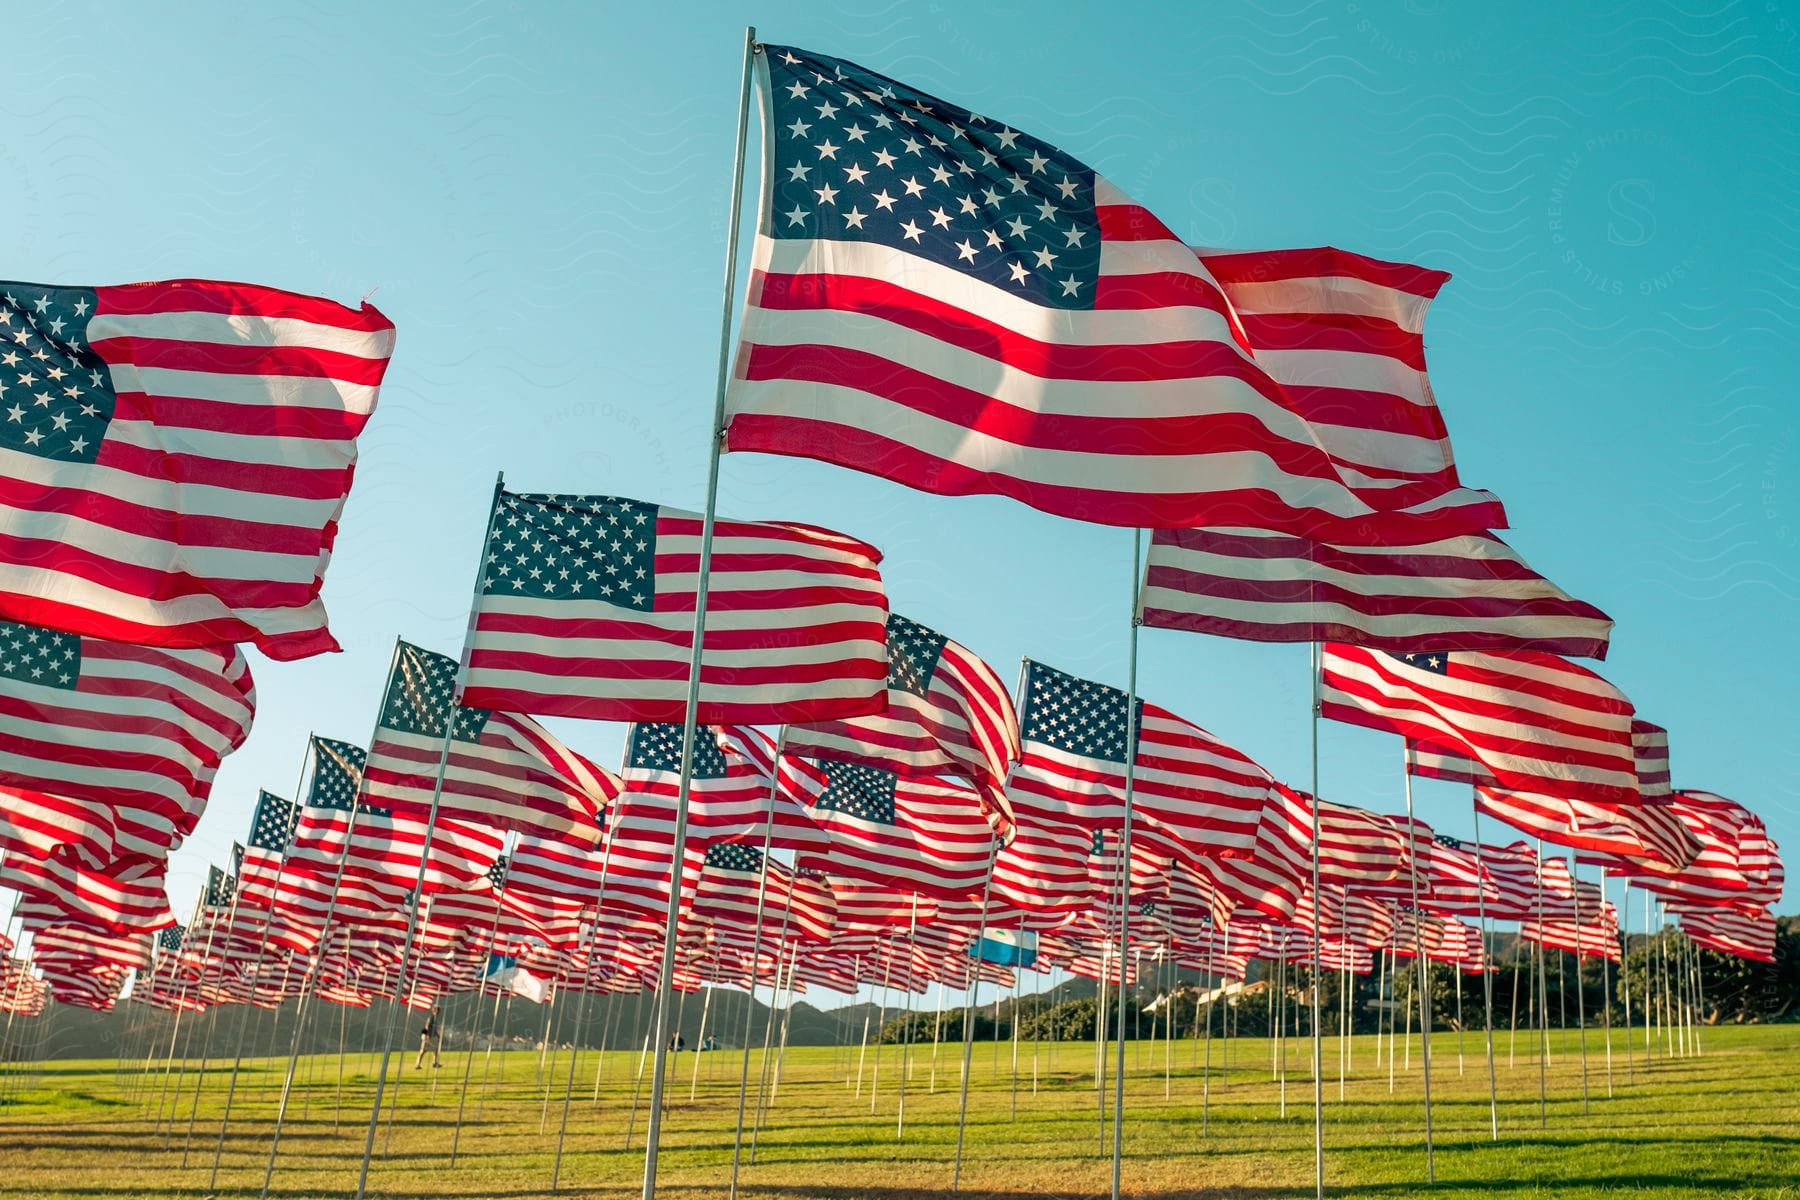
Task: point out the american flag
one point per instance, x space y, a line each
1539 723
138 728
1348 916
178 455
944 301
586 609
917 833
127 897
1356 847
1650 745
271 829
729 788
1043 869
1449 880
549 873
1748 935
1190 790
1738 865
1617 835
1466 591
1343 334
948 713
1612 833
502 770
375 843
41 825
726 897
1513 871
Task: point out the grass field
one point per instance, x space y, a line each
1726 1123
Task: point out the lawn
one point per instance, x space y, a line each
1725 1123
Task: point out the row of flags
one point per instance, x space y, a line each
938 299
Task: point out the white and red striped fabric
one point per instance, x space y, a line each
1343 335
1190 791
732 788
1747 935
586 609
795 906
1738 865
917 833
376 844
948 713
191 448
127 897
41 824
1465 592
980 313
1357 848
1612 835
1650 743
140 729
502 769
1538 722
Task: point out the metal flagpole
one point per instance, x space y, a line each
962 1113
1487 983
1421 958
194 1109
1543 995
764 1067
587 987
437 796
762 892
1317 947
1625 980
1131 742
906 1044
1580 980
317 958
1606 991
665 982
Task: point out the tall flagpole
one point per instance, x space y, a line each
666 980
1131 741
962 1113
762 892
1580 982
1317 947
1487 981
1419 956
437 796
320 949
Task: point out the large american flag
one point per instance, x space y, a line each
140 729
1465 591
502 769
41 824
948 713
1539 723
947 302
919 833
176 457
1738 865
732 877
586 609
1198 795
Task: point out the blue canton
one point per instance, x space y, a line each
1437 664
422 690
734 856
1076 716
573 548
656 746
337 774
860 157
41 656
56 395
913 652
866 793
273 825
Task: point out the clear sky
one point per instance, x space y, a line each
537 196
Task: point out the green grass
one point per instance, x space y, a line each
1722 1124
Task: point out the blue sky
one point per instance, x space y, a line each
537 196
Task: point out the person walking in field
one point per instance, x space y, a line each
428 1040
